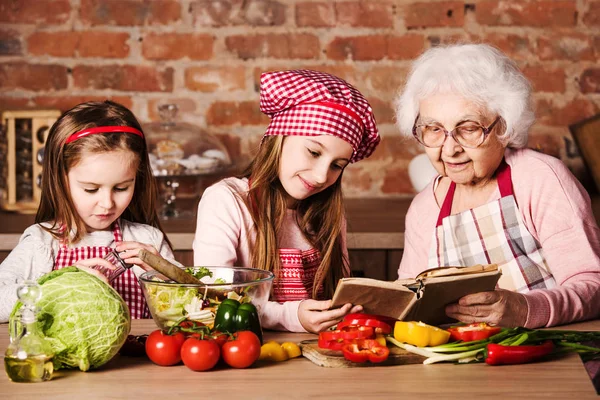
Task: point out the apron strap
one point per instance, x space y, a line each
118 235
447 205
504 184
504 180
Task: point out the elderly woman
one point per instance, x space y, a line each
494 200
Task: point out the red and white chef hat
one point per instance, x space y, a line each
312 103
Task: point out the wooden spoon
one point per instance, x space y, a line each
166 268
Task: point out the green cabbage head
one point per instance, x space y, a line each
84 320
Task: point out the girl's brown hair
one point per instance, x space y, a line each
56 205
320 218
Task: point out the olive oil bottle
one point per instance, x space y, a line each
27 358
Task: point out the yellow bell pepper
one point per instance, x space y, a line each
420 334
380 339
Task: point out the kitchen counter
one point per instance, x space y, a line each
127 377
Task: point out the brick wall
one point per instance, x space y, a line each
206 56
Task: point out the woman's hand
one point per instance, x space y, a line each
499 307
315 316
89 264
128 251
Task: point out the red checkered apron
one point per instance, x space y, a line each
296 275
126 284
493 233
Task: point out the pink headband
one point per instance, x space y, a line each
104 129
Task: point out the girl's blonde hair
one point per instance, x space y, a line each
320 218
56 204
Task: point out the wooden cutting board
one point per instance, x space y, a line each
335 359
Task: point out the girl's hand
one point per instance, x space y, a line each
315 316
499 307
87 266
128 251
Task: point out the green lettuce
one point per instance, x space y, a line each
84 320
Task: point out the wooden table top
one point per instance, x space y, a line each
126 377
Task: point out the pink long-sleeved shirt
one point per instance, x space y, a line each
225 234
556 210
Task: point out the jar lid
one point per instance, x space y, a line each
181 148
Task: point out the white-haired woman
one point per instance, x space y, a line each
495 201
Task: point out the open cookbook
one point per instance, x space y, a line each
421 299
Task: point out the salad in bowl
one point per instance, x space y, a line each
172 303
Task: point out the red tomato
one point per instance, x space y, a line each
200 355
242 350
219 337
163 349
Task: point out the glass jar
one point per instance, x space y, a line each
180 151
28 357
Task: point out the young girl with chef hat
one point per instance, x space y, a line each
286 213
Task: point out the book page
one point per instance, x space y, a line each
439 292
411 300
391 299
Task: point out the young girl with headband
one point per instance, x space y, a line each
286 213
98 195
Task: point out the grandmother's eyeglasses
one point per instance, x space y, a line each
468 134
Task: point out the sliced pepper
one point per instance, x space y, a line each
381 339
378 326
330 344
388 320
420 334
348 333
233 317
365 350
472 332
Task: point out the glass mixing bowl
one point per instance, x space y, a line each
171 302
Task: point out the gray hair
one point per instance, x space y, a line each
477 72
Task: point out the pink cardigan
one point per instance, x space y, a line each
557 212
225 233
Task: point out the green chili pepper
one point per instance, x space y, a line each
233 317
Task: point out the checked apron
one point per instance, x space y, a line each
126 284
493 233
296 275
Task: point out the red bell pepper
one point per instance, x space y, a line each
331 344
365 350
358 316
497 354
472 332
348 333
378 326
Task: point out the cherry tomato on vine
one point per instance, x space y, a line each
242 350
200 354
219 337
164 349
